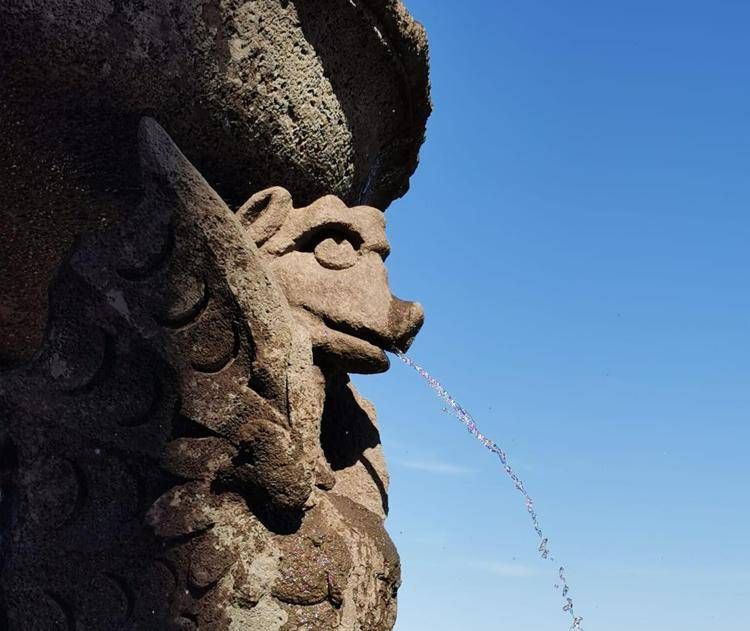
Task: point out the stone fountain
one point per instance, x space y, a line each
193 262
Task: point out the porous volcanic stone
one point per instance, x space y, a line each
318 97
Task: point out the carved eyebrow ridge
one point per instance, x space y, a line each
307 241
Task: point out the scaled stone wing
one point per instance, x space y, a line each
162 375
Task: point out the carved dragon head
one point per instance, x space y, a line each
329 260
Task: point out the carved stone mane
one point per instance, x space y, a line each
186 450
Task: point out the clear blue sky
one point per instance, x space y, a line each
578 233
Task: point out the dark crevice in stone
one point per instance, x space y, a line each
346 429
377 480
186 427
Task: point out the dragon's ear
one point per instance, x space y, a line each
265 212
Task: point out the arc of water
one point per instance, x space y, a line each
462 415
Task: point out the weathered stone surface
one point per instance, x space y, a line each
180 445
328 97
186 451
320 97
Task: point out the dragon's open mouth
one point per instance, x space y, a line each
365 335
362 351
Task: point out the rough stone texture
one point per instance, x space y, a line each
318 96
180 444
186 450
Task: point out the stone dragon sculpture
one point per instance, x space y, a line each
186 451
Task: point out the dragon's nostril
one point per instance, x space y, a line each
405 320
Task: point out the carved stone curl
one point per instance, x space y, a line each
186 450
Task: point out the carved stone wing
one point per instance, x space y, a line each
159 392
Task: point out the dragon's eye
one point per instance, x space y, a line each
334 246
335 253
